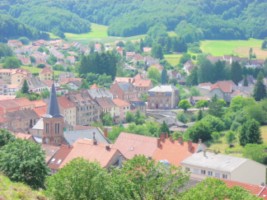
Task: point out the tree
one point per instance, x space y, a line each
212 188
157 51
129 117
216 106
256 152
24 40
230 137
164 77
184 104
204 66
250 133
164 128
107 119
199 115
264 44
5 137
11 63
259 89
200 130
79 179
153 74
5 51
236 72
139 118
24 161
25 88
153 180
202 104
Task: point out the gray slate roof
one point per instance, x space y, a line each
73 136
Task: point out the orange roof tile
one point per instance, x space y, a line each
123 79
253 189
59 157
7 97
40 111
24 102
39 103
85 148
94 86
173 151
133 144
225 86
142 83
46 70
23 136
120 103
65 103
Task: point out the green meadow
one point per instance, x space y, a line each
173 59
233 47
35 70
98 33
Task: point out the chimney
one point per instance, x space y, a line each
106 133
158 142
190 147
94 139
180 140
107 147
162 137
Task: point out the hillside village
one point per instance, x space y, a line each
66 123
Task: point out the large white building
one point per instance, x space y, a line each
226 167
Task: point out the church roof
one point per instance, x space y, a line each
53 108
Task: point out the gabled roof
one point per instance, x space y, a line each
131 145
46 70
53 108
225 86
89 133
163 88
253 189
59 157
174 152
65 103
85 148
105 102
120 102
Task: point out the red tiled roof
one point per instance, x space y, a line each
46 70
23 136
173 151
123 79
133 144
225 86
84 148
40 111
142 83
253 189
59 157
65 103
39 103
120 103
94 86
24 102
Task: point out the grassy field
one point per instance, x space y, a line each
233 47
35 70
173 59
98 33
16 191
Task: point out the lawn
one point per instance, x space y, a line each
233 47
98 33
173 59
264 134
35 70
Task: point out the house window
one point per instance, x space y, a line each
209 173
46 128
203 172
224 176
57 128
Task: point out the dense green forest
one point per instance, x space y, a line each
191 19
11 28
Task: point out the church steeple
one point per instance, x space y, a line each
53 108
53 122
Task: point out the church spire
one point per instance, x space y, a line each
53 108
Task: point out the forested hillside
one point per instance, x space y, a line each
217 19
11 28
